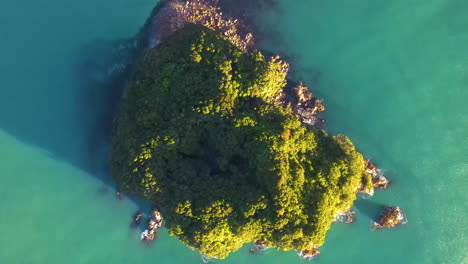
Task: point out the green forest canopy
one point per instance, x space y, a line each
199 136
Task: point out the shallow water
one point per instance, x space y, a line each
391 75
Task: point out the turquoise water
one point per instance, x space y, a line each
392 75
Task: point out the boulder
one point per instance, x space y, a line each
391 217
309 253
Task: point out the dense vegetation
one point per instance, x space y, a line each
199 136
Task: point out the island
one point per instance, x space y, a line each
212 132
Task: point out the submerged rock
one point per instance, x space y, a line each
137 219
119 195
391 217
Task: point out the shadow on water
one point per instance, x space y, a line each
103 70
369 208
101 75
67 108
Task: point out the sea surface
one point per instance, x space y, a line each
393 76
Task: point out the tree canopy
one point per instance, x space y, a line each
199 136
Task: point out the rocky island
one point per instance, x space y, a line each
392 216
212 132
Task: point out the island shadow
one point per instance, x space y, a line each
102 70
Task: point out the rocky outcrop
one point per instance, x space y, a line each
259 246
307 107
154 224
378 180
302 103
346 217
309 253
364 190
391 217
176 13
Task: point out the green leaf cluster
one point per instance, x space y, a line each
199 136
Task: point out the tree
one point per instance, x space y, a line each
198 134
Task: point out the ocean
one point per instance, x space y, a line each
392 74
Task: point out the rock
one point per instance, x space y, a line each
151 234
302 93
370 167
153 225
259 245
119 195
137 219
144 235
319 106
391 217
301 102
176 13
346 217
365 190
309 253
380 182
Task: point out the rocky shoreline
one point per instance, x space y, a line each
174 14
171 15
